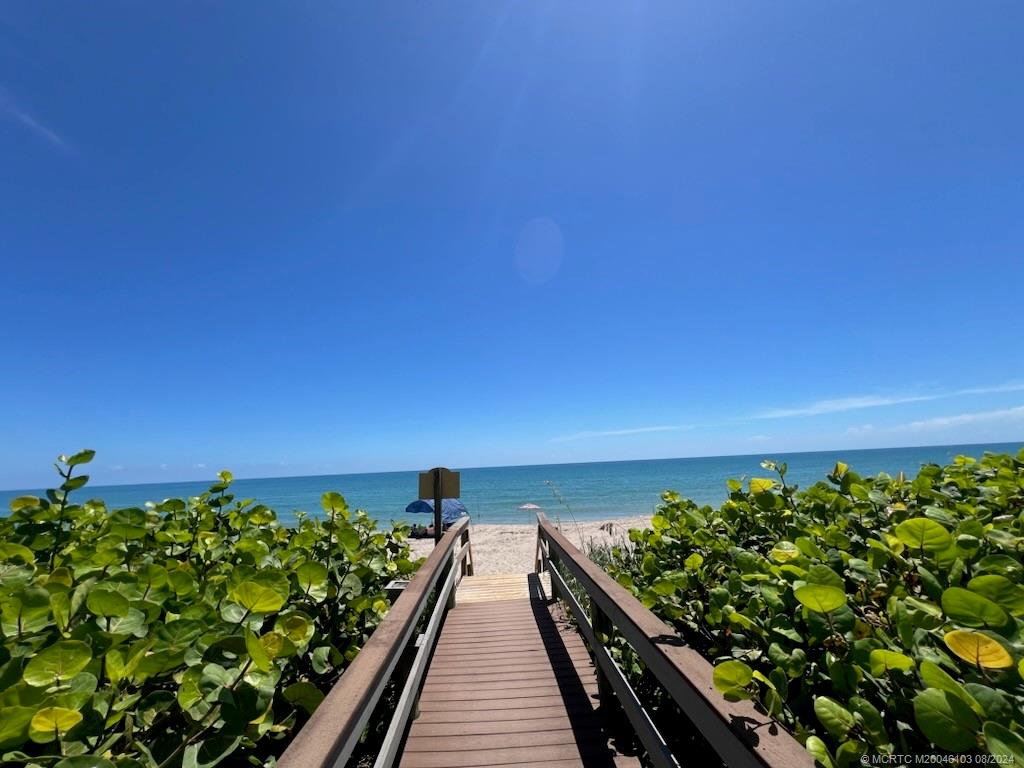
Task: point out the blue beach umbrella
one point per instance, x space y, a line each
451 509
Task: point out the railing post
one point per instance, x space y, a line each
603 629
450 602
467 563
552 560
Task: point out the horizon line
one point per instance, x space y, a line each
765 454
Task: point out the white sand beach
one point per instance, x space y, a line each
508 548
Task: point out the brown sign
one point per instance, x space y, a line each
449 484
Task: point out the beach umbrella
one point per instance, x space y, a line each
451 509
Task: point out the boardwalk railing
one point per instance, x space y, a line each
334 730
742 736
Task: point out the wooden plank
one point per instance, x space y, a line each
468 742
494 646
466 696
501 686
549 700
487 634
523 725
453 674
477 715
486 667
490 756
496 607
499 621
521 654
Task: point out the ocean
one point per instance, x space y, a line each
590 491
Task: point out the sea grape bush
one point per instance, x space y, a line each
192 633
872 615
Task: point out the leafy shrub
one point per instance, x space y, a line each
190 633
872 615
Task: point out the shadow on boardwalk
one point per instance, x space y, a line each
510 684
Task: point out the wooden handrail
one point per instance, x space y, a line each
333 731
740 734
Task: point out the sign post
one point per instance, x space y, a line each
439 483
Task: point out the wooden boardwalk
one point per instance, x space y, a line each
510 684
490 672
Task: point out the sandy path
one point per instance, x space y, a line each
499 548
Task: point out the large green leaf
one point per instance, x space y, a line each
971 609
104 602
312 578
820 598
836 718
935 677
946 720
1001 591
920 533
58 663
25 611
265 592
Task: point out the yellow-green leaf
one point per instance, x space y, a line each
978 649
52 723
882 661
820 598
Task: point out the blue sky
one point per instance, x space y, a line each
352 237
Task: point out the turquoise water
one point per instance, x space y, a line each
592 491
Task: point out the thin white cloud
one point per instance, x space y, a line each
200 466
841 404
1011 387
619 432
942 422
979 417
11 109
